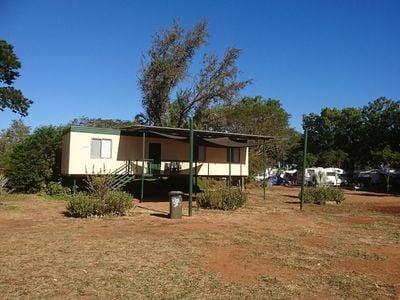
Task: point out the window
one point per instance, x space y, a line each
200 153
235 155
100 148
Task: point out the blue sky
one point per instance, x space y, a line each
81 58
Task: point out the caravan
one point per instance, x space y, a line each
333 176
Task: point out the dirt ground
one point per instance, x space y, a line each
267 250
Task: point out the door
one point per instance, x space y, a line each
155 155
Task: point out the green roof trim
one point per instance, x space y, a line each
94 130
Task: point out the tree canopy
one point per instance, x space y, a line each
256 115
356 138
11 98
36 160
170 94
12 135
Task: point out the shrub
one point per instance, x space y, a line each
217 196
100 200
99 185
83 206
55 188
205 184
117 203
36 160
320 195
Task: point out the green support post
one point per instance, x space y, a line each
304 169
143 150
191 167
230 171
264 166
230 168
195 178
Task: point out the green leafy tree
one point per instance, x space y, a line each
165 71
386 158
336 132
332 158
296 157
11 98
349 137
255 115
12 136
382 124
36 160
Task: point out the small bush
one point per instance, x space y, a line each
320 195
205 184
117 203
83 206
56 189
99 185
217 196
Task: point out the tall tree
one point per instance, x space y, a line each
165 70
354 137
255 115
382 122
336 132
11 98
13 135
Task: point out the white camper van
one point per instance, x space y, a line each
334 176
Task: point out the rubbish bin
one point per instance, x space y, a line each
175 204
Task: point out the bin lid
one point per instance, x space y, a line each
175 193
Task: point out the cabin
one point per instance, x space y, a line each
150 151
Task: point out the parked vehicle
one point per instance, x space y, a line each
335 176
278 177
332 176
268 173
260 177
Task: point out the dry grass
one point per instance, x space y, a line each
266 250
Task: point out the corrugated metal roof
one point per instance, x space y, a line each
184 132
202 137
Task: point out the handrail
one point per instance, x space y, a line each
148 162
127 167
173 167
122 175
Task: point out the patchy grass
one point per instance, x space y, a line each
266 250
7 207
358 253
